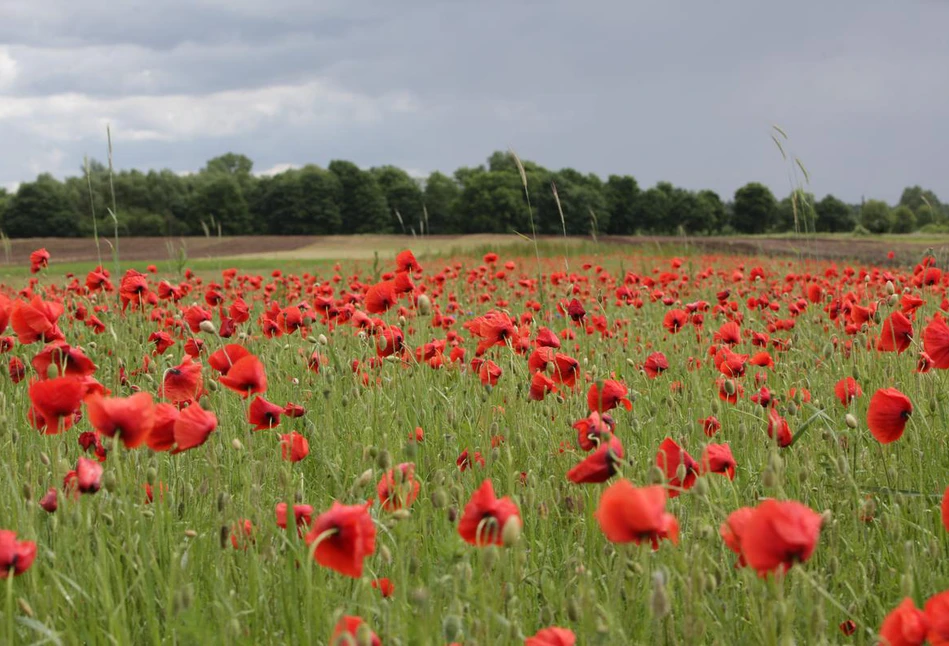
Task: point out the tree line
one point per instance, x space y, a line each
226 198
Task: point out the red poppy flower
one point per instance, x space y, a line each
541 384
348 627
68 361
39 259
732 530
131 418
710 425
896 334
671 458
945 509
846 390
88 476
599 466
464 460
486 517
591 430
56 402
246 376
294 447
888 413
222 360
16 369
489 373
906 625
50 500
384 586
780 534
848 627
628 514
566 370
762 397
294 410
381 297
36 321
192 428
552 636
779 429
613 393
729 334
717 458
162 436
936 342
655 365
263 414
302 515
183 383
242 534
675 320
16 557
342 537
405 261
398 488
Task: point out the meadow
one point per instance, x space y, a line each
554 444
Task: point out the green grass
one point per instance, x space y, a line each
112 569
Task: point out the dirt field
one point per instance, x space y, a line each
872 250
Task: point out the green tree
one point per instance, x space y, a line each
834 215
916 197
754 209
441 201
41 208
363 205
653 209
219 201
403 194
581 198
717 214
299 202
493 202
925 215
620 194
4 200
230 164
903 219
795 213
875 216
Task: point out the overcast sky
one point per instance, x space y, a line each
683 91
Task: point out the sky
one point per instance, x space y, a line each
667 90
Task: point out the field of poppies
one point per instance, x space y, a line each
614 446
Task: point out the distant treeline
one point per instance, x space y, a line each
226 197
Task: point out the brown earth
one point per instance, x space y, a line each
870 250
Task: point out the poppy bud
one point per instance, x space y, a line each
25 607
424 305
700 488
511 532
52 371
792 409
151 475
364 635
44 459
655 476
236 443
660 598
222 500
769 478
452 514
826 517
207 327
190 533
892 300
573 610
212 386
729 386
400 514
439 498
932 405
419 597
108 481
27 492
842 465
322 339
385 554
451 627
890 289
851 420
364 478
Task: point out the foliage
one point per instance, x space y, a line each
491 198
875 216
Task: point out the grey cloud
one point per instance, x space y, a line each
680 91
